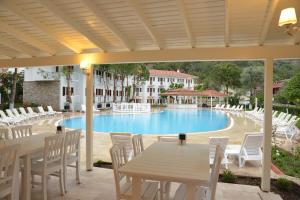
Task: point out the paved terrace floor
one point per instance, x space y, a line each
99 185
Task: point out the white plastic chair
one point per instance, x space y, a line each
167 138
9 172
123 184
24 113
43 112
72 154
4 133
213 143
138 145
52 162
205 192
50 110
15 118
250 150
21 131
124 139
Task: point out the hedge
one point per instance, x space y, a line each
292 110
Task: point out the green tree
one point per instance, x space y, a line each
140 73
104 68
6 84
227 75
292 90
253 78
176 85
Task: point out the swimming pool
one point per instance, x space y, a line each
164 122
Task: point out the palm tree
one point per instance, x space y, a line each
140 73
104 69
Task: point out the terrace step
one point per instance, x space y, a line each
269 196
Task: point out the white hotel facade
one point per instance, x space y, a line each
47 86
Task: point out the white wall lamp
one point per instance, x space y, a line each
288 19
85 66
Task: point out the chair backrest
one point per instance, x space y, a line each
167 138
8 169
252 143
217 141
2 114
72 140
21 131
30 110
9 113
214 176
41 109
83 107
124 139
119 159
50 109
54 149
15 112
4 133
23 111
138 145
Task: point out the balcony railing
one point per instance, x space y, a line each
131 107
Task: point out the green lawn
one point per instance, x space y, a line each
287 162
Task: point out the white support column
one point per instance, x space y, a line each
89 118
268 95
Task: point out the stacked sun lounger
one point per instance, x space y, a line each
20 115
234 108
283 123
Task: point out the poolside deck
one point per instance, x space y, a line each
99 184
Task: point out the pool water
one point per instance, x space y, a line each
164 122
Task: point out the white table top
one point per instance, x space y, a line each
171 162
29 145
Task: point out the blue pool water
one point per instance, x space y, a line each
164 122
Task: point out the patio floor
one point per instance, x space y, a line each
99 184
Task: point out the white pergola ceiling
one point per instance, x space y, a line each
39 28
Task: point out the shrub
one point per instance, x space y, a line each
283 183
228 177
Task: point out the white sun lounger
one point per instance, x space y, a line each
50 110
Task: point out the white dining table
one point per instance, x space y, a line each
28 147
162 161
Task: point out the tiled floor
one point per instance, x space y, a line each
99 185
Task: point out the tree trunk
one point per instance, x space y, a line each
133 87
69 92
115 89
122 85
13 89
104 83
127 89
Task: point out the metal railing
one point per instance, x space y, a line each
131 107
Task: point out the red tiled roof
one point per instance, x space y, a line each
156 72
189 92
212 93
278 85
181 92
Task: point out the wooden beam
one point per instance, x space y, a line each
268 20
7 54
186 22
99 13
26 38
175 55
227 24
20 48
146 23
72 23
11 5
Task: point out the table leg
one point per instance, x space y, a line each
136 188
191 189
26 178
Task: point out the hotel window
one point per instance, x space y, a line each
57 69
64 91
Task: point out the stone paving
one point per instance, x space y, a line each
99 185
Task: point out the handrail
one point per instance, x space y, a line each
131 107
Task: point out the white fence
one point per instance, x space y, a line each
132 107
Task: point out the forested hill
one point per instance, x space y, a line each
284 69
